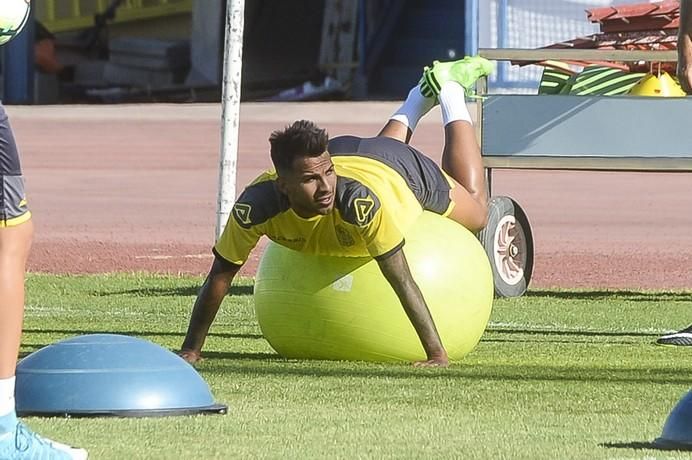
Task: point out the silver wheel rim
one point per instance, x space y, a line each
509 252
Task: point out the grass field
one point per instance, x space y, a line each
557 375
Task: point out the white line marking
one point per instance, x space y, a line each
566 328
183 256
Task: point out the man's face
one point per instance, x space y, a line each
310 186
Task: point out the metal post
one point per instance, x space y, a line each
471 19
232 70
482 89
502 24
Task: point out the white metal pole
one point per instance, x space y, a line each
230 107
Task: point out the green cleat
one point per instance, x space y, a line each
464 71
424 87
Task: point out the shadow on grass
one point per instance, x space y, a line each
271 364
276 366
180 291
537 335
639 445
222 335
209 356
633 296
30 348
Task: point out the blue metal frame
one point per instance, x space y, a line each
471 19
18 67
502 6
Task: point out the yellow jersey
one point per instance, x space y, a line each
382 187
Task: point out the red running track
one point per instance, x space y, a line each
133 188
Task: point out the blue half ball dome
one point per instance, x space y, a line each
677 429
110 374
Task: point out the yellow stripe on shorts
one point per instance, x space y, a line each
13 222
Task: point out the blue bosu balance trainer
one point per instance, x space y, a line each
677 430
110 375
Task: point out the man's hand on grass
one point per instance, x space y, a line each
435 361
191 356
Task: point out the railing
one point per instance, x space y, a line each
546 54
67 15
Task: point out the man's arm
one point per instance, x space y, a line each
395 269
685 46
206 306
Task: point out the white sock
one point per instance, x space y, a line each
453 103
414 107
6 396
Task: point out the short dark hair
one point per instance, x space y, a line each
302 139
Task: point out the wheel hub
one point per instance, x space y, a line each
510 250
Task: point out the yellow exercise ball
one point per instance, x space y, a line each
342 308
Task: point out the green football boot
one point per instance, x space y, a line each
424 87
464 71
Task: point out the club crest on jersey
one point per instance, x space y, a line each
241 212
364 207
344 237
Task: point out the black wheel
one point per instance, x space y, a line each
508 241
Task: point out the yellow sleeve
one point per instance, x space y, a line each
236 242
381 234
245 222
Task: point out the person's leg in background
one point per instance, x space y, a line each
682 338
16 231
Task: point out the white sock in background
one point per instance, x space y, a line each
6 396
414 107
453 103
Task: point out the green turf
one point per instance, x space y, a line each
557 375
